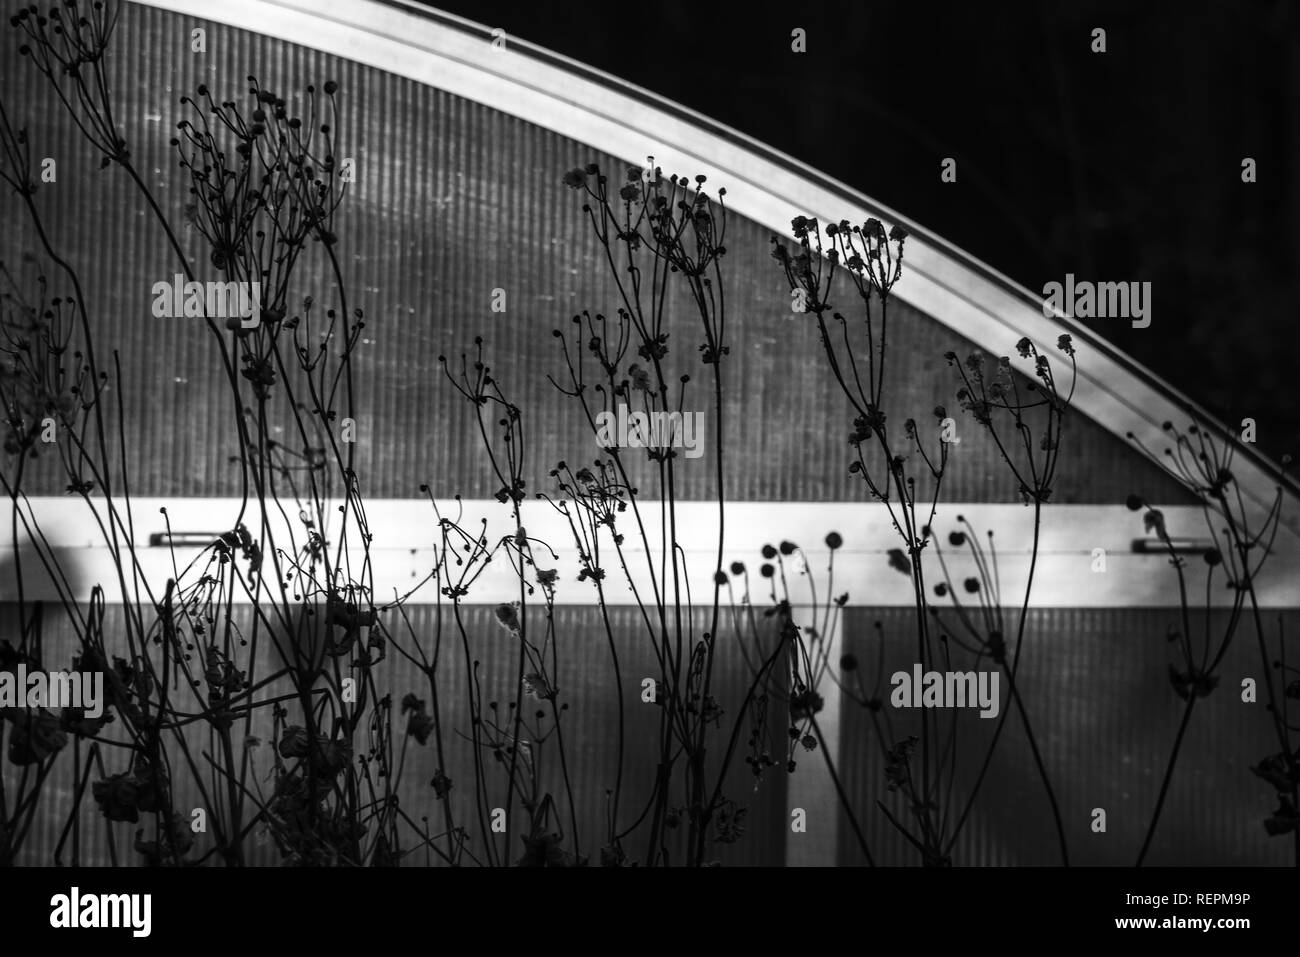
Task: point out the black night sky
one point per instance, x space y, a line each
1122 166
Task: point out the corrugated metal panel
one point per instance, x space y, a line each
586 682
1097 690
453 201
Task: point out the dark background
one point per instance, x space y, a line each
1122 166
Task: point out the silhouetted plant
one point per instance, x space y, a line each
1202 457
870 260
305 754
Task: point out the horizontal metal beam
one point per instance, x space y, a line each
1070 571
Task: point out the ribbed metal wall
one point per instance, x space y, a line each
585 682
1096 686
453 201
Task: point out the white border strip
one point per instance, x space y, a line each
405 534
